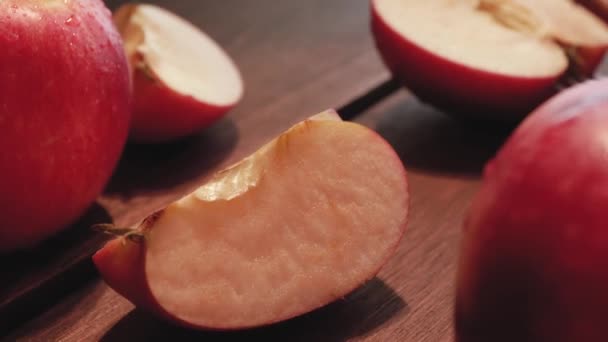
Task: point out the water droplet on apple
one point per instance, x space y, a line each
72 21
13 36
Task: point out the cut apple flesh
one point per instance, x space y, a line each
514 38
302 222
568 23
177 54
598 7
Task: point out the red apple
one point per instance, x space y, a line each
494 59
64 113
302 222
183 80
534 257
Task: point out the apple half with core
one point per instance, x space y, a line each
64 114
183 80
534 256
490 59
305 220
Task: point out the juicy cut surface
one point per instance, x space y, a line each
461 32
304 221
183 57
569 22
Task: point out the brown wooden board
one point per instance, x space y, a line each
297 58
410 300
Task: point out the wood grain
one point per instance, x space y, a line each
410 300
297 58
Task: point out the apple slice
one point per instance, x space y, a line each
599 7
302 222
183 81
495 59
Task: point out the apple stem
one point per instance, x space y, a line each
129 234
512 15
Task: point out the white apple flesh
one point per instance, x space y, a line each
487 58
599 7
302 222
183 80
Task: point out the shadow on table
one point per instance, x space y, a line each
358 314
64 316
152 167
429 140
36 279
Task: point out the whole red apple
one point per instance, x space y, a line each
534 263
64 113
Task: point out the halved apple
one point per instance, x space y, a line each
599 7
488 58
183 81
302 222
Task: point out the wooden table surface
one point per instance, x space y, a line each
297 58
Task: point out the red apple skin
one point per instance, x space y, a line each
64 114
161 114
454 87
535 249
592 58
121 264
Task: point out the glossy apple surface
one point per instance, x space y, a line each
64 113
308 218
535 249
